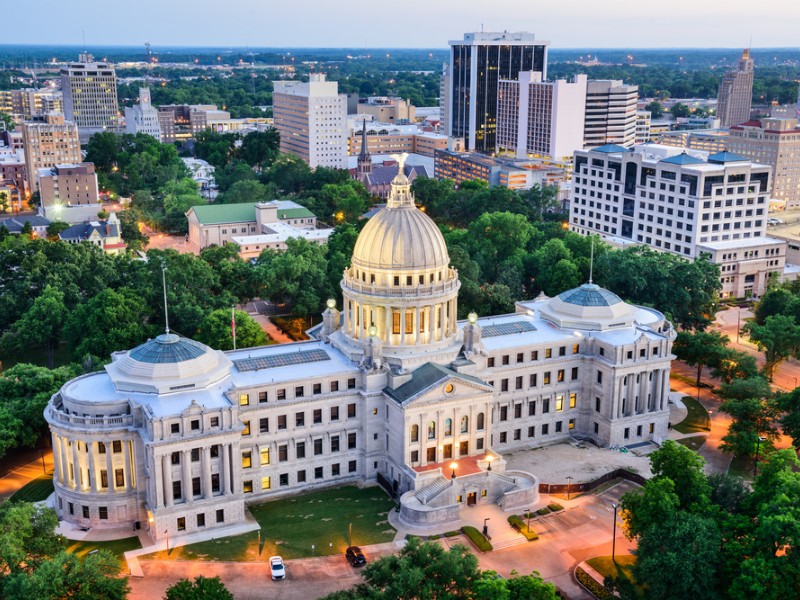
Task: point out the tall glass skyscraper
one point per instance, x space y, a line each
477 63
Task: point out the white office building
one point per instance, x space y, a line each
312 120
143 117
687 202
610 113
540 119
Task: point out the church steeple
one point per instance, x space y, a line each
364 158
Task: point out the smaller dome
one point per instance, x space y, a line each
590 294
167 348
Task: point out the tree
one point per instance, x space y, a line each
788 405
297 276
215 331
55 228
202 588
734 364
3 202
496 237
700 348
685 468
338 252
27 538
41 325
247 190
235 274
680 558
651 504
656 109
260 148
680 110
7 120
778 338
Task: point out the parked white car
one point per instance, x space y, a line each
276 568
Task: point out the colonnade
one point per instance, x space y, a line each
79 464
402 325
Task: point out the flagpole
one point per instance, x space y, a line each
233 326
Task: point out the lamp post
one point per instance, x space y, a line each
350 535
166 532
489 459
486 527
614 535
44 470
758 448
453 466
528 511
569 481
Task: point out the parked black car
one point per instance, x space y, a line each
355 557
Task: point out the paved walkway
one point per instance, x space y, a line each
21 474
268 326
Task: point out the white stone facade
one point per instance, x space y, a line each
397 392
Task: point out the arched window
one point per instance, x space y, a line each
480 421
448 427
432 430
415 433
464 424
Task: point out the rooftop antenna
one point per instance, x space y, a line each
591 262
164 284
149 63
83 35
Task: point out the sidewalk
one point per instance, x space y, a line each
23 474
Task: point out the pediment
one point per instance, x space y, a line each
432 384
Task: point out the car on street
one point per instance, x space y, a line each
774 221
355 557
276 568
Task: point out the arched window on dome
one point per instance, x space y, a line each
432 430
480 422
448 426
465 424
415 433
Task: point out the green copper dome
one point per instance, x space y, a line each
168 348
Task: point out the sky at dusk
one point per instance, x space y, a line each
410 23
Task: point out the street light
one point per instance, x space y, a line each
569 480
614 535
486 527
166 532
489 459
453 466
758 447
528 511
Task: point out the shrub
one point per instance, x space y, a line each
452 533
476 537
433 537
555 506
591 584
517 523
543 511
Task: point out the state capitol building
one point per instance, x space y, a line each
176 437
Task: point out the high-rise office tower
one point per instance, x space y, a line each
50 143
90 95
736 93
543 119
143 118
477 64
312 120
610 113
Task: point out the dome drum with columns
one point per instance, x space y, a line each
400 279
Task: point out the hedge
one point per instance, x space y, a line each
543 511
433 537
591 584
517 523
555 506
452 533
476 537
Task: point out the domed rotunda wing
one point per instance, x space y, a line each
588 307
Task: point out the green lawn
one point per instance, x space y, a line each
606 567
742 466
697 420
694 442
116 547
290 527
35 490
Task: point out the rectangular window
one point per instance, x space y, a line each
562 351
119 477
246 430
652 427
517 434
351 411
317 416
195 486
201 520
504 413
85 512
576 348
101 448
175 428
573 399
283 453
414 456
301 476
503 437
175 458
518 383
195 425
531 408
104 478
335 443
546 405
220 515
558 426
318 447
560 376
599 377
281 394
531 431
244 399
351 441
546 378
262 397
479 444
215 451
117 446
335 470
597 404
518 411
351 383
572 423
177 490
283 479
247 460
520 357
318 473
215 482
334 413
574 373
300 450
504 385
281 422
409 322
264 456
534 355
532 380
596 428
490 362
559 403
548 353
627 433
317 389
181 523
299 419
214 421
352 466
195 454
247 486
395 322
334 386
505 359
639 430
263 425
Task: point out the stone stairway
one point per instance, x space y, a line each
433 489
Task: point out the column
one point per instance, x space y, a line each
387 321
656 390
127 447
166 471
157 482
112 481
64 460
186 468
57 470
91 467
76 465
664 374
206 466
418 328
223 469
346 309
